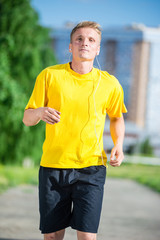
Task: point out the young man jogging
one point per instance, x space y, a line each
73 99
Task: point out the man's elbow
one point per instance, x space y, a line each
26 120
26 123
115 119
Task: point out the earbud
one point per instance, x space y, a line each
97 53
70 50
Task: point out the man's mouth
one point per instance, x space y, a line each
84 50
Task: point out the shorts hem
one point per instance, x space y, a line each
53 230
83 230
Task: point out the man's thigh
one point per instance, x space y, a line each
54 201
87 196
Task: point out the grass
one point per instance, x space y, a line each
11 176
145 174
148 175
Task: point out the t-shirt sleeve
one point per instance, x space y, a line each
39 95
115 104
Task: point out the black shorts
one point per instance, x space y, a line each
71 197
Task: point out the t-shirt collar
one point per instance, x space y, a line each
87 76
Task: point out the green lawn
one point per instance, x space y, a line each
145 174
11 176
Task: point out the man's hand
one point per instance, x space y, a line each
49 115
46 114
117 156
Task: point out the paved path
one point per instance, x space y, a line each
130 212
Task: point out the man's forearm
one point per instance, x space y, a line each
46 114
117 129
31 117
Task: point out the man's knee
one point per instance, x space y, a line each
86 236
59 235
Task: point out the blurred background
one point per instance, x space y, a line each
35 34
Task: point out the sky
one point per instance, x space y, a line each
108 13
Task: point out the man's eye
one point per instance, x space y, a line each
91 40
80 39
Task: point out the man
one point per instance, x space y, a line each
73 100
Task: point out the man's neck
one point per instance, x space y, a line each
82 67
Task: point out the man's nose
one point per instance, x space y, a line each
85 42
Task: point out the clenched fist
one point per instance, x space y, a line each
49 115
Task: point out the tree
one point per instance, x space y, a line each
146 148
25 50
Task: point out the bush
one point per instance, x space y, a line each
24 51
146 148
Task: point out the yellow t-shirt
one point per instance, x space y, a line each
83 101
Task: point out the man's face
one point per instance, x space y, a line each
85 44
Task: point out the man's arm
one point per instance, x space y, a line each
46 114
117 129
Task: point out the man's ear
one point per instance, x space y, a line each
70 47
98 51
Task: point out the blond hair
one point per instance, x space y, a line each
85 24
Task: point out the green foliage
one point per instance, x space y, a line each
146 148
24 51
24 40
11 176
